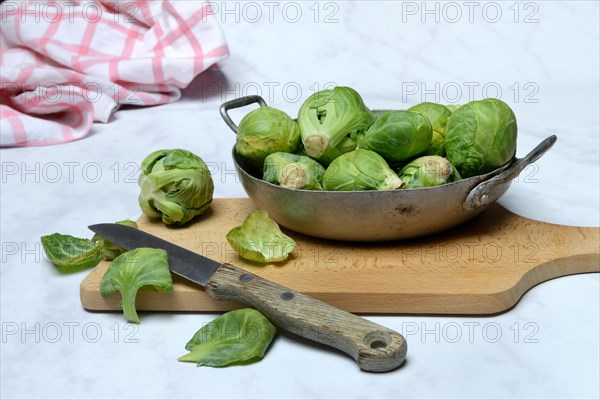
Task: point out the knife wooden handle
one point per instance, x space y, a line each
374 347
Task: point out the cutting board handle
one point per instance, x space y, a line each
374 347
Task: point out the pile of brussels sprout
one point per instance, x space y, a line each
339 144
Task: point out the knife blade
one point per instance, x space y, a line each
374 347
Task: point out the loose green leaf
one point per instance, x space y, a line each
260 239
176 186
71 252
236 337
132 270
110 250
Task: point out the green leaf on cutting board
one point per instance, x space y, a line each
110 250
237 337
70 252
259 239
130 271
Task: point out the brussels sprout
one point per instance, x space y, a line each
360 170
260 239
293 171
437 114
481 136
428 171
110 250
452 107
328 116
398 135
264 131
175 185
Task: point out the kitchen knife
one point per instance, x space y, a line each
374 347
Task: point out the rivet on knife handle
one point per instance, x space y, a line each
374 347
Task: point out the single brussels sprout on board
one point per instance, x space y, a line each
481 136
175 185
259 239
437 115
293 171
132 270
360 170
398 135
328 116
110 250
236 337
428 171
264 131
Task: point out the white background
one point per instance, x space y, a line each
395 55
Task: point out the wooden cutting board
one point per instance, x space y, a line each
481 267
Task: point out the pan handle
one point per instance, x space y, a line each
237 103
489 191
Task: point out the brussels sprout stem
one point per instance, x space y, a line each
316 145
293 176
128 303
392 181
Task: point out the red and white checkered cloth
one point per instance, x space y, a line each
66 64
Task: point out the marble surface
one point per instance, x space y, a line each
396 55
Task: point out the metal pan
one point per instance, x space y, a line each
376 215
